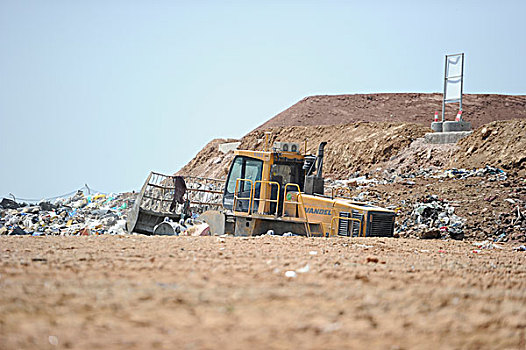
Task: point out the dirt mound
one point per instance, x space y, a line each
351 147
419 108
209 162
392 122
501 144
420 155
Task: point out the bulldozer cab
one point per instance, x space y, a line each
256 181
244 172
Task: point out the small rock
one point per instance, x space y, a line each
431 233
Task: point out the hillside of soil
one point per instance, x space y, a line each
395 147
209 162
418 108
500 143
351 147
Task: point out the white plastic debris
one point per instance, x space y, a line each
303 269
53 340
290 274
363 246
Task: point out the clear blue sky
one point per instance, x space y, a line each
102 92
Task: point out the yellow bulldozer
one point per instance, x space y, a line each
277 189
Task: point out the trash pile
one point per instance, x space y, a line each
386 177
513 224
432 218
80 214
495 174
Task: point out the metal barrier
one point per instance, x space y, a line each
265 200
298 202
344 218
155 201
286 201
237 198
158 191
204 191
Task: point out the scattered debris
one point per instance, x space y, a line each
488 245
303 269
290 274
498 174
365 246
201 229
433 218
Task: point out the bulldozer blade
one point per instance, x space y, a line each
216 220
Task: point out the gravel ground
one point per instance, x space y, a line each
138 292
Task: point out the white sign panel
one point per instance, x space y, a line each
453 87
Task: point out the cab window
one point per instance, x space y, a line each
285 173
243 168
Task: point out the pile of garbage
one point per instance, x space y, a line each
388 177
81 214
512 225
432 218
494 174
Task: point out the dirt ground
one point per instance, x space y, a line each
139 292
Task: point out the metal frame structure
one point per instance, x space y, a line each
153 203
447 78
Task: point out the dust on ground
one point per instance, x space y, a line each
137 292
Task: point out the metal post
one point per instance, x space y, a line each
267 135
461 84
444 96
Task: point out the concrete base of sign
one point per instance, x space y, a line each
452 126
436 126
445 137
